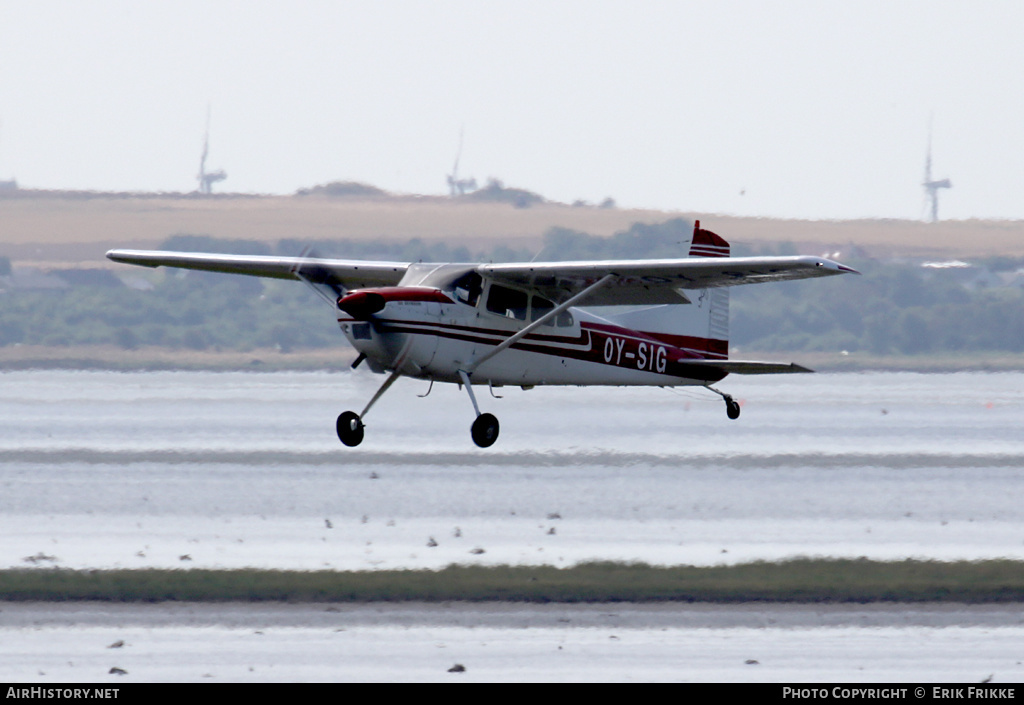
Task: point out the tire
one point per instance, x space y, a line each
350 429
732 408
485 430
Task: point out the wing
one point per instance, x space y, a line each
656 281
352 274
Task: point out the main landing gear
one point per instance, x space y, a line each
485 429
350 425
732 407
350 429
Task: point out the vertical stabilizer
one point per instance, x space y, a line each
706 244
700 325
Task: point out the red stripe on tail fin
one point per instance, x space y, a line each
706 244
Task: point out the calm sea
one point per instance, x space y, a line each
102 470
136 469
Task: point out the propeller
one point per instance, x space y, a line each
324 284
319 278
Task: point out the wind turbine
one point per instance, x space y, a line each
457 186
932 186
208 179
11 185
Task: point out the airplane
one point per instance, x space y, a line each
662 322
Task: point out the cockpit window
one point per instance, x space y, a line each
468 288
507 302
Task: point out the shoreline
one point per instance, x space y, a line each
339 359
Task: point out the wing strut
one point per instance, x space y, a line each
512 340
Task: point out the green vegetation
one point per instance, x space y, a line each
895 309
338 189
497 192
892 309
198 311
640 241
801 580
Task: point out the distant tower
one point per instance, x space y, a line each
208 179
932 186
457 186
11 185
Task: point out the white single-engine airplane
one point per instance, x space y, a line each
623 322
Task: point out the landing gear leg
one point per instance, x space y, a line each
485 429
350 424
732 407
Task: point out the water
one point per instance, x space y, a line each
104 470
752 643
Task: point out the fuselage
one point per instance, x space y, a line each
433 333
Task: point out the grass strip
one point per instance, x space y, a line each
799 581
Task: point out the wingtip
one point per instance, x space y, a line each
123 256
836 266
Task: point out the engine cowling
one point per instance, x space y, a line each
361 304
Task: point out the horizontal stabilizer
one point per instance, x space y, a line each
749 367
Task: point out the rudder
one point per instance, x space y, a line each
707 244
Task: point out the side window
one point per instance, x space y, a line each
541 306
507 302
468 288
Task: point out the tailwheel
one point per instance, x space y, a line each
732 407
485 430
350 428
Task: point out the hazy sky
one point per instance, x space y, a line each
803 109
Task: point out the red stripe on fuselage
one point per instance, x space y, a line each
698 348
599 343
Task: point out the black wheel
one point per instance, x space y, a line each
732 408
485 430
350 428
